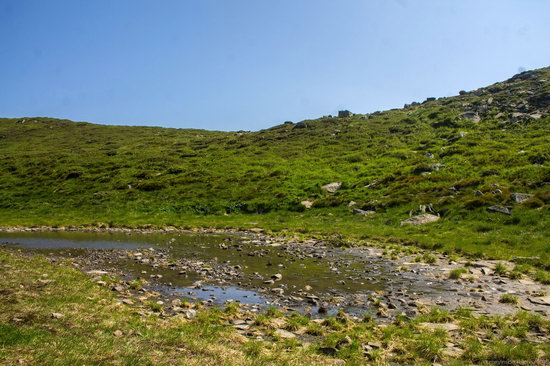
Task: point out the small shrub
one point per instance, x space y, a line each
500 269
508 299
543 277
429 258
457 273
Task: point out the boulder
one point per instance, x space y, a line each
420 219
307 204
471 115
358 211
332 187
284 334
521 197
500 209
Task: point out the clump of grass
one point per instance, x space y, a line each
315 329
137 284
543 277
457 273
154 306
273 312
508 299
428 345
501 269
232 308
429 258
514 275
296 321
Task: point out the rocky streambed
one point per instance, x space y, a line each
162 271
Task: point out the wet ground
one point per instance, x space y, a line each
257 271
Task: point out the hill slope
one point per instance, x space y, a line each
457 155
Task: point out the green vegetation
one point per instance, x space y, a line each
57 172
508 299
457 273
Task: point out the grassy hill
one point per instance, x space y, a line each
458 155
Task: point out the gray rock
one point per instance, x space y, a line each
358 211
521 197
420 219
471 115
284 334
500 209
544 300
97 273
190 313
332 187
307 204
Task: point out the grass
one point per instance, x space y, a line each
501 269
457 273
96 329
57 172
509 299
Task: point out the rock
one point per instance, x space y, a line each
97 273
471 115
307 204
517 116
544 300
323 308
284 334
190 313
382 312
308 288
452 352
420 219
332 187
117 288
118 333
358 211
277 277
269 282
344 342
242 327
57 315
499 209
352 203
521 197
449 327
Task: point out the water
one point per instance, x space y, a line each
323 272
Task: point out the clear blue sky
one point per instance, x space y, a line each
250 64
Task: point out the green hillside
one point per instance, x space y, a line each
457 156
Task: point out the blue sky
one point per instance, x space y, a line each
251 64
